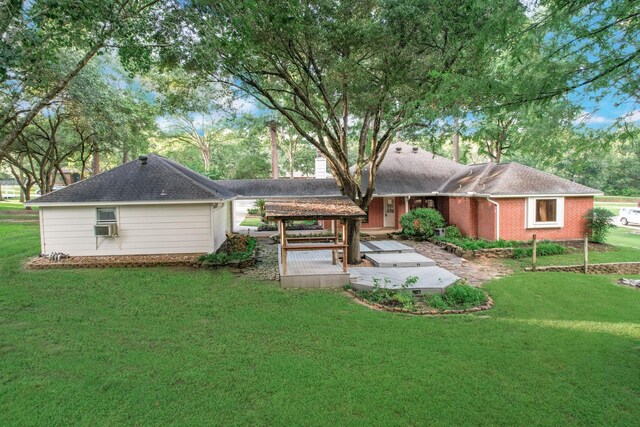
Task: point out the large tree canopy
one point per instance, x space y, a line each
347 75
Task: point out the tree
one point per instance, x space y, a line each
347 75
34 33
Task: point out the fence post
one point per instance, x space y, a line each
535 253
586 253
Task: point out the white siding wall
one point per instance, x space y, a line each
142 229
220 219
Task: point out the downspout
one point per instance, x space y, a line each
497 216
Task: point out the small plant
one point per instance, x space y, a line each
421 222
544 248
452 232
599 223
384 295
261 206
237 248
253 211
458 296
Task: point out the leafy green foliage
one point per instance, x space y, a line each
452 232
456 297
391 297
599 223
471 244
421 222
543 248
239 247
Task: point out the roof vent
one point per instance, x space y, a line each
143 160
414 149
398 149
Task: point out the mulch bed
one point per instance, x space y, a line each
177 260
419 312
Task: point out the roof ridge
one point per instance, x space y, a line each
169 164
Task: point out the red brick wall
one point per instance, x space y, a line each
463 214
443 207
376 214
486 225
512 220
400 210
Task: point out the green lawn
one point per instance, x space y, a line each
614 208
251 222
621 236
160 346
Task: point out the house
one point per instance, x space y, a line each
156 206
148 206
490 201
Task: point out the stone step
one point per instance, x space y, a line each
410 259
384 246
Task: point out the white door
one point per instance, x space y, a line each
389 212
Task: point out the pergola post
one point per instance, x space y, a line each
345 255
334 253
283 245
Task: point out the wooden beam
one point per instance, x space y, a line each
334 254
283 246
345 254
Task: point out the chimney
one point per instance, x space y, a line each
398 149
143 160
414 149
321 167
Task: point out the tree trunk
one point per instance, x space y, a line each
456 139
353 240
125 156
96 160
275 173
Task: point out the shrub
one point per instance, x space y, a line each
402 298
470 244
237 248
253 211
452 232
599 223
543 248
458 296
421 222
261 205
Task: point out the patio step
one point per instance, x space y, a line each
384 246
410 259
430 279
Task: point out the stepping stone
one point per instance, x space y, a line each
400 260
388 246
430 279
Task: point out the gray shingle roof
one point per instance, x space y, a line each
511 179
410 171
256 188
159 180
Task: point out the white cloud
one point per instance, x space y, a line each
633 116
593 119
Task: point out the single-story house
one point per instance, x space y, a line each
156 206
147 206
490 201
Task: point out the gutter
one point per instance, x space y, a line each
497 216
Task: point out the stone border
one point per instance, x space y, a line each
602 268
379 307
110 264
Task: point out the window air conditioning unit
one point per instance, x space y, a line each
106 230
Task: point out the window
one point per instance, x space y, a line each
106 215
545 212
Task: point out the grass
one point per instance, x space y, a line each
621 236
621 199
12 204
614 208
251 222
192 347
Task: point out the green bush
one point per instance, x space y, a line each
452 232
458 296
599 223
421 222
402 298
253 211
238 248
470 244
543 248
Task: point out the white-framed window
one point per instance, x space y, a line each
545 212
106 216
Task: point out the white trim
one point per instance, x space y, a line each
150 202
497 216
530 213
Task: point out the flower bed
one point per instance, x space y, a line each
238 251
116 261
456 299
479 248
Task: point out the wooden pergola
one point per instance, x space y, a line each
335 209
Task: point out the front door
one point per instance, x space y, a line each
390 212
